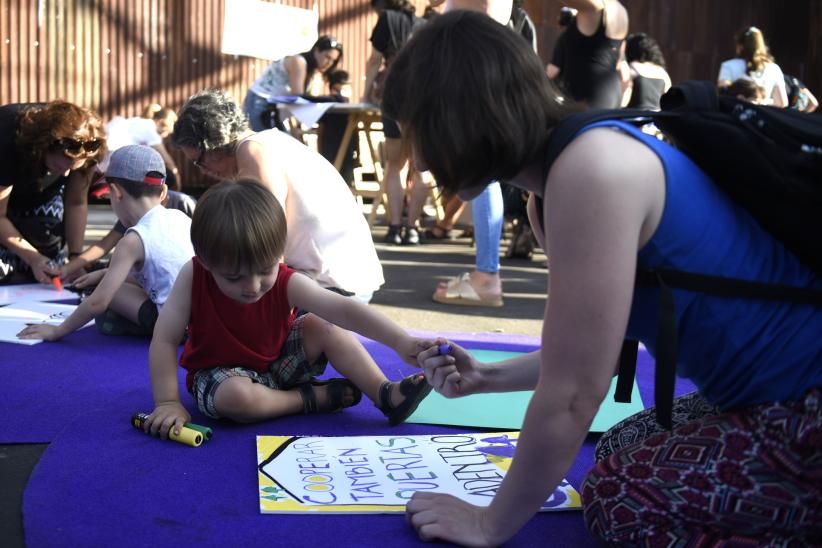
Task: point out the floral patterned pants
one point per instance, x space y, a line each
747 477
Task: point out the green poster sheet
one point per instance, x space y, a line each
507 410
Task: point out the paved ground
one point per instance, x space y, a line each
411 275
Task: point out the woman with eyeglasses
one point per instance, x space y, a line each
291 75
328 237
48 153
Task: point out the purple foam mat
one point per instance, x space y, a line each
102 482
45 385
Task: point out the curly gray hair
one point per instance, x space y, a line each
209 120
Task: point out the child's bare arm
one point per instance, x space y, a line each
350 314
162 357
128 253
95 251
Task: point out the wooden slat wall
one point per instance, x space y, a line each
697 35
116 56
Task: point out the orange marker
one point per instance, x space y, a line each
58 285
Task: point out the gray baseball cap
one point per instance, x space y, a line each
137 163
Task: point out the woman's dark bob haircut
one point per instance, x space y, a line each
472 99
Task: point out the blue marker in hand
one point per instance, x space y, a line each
444 349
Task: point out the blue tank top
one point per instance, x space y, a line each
737 351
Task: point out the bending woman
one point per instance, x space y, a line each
290 75
328 237
49 153
755 363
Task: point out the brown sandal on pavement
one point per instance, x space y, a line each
336 395
413 387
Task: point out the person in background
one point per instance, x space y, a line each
754 61
333 124
799 96
592 53
132 290
755 431
49 153
328 236
121 132
395 25
164 119
291 75
649 79
745 89
483 285
553 69
339 85
522 24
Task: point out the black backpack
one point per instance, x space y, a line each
768 160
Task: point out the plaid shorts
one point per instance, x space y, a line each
290 369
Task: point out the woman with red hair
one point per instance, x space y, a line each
49 153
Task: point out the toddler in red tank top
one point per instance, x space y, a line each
248 355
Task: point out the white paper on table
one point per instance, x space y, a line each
306 112
16 316
32 293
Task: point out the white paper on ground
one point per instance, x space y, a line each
32 293
16 316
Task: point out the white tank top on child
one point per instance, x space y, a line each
328 237
166 236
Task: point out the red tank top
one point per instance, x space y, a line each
225 333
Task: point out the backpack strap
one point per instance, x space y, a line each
627 371
565 131
666 349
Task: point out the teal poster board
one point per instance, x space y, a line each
507 410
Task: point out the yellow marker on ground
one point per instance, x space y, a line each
187 435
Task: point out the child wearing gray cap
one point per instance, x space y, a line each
146 261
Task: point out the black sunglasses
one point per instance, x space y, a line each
73 147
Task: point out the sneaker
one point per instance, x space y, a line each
394 235
411 236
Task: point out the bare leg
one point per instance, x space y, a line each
239 399
127 301
395 160
453 209
419 193
348 356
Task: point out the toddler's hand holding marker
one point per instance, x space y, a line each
190 434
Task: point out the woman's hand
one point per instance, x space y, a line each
440 516
43 269
453 375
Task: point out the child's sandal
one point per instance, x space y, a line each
336 395
413 387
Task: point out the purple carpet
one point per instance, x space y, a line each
46 385
101 482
